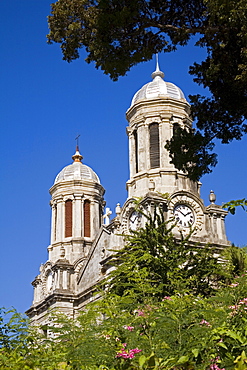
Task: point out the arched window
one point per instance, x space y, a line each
87 219
68 218
154 145
136 151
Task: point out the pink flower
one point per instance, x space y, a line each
140 313
135 350
235 307
128 354
167 298
243 301
130 328
204 322
122 354
215 367
233 285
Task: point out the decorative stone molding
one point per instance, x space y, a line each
68 197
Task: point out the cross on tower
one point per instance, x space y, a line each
77 141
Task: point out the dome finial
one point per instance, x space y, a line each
77 157
157 72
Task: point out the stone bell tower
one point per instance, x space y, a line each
77 212
77 206
155 112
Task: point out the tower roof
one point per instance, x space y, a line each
76 171
158 88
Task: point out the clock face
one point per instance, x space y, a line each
134 220
184 215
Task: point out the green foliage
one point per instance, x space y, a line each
155 263
231 206
237 259
190 152
179 332
160 309
120 34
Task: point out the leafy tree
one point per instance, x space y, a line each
155 263
238 259
159 311
23 347
179 332
119 34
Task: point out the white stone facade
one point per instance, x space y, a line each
79 259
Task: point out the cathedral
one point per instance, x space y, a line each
82 234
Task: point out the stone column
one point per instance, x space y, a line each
94 219
77 213
223 229
36 285
131 152
65 279
82 217
57 279
53 221
219 227
143 149
214 224
166 134
60 220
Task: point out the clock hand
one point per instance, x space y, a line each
187 214
133 219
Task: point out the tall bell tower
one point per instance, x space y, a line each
156 111
77 206
77 212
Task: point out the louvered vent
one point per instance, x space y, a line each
136 151
154 145
87 228
68 218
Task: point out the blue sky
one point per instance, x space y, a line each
44 103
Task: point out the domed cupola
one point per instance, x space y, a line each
77 171
77 207
157 109
158 88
